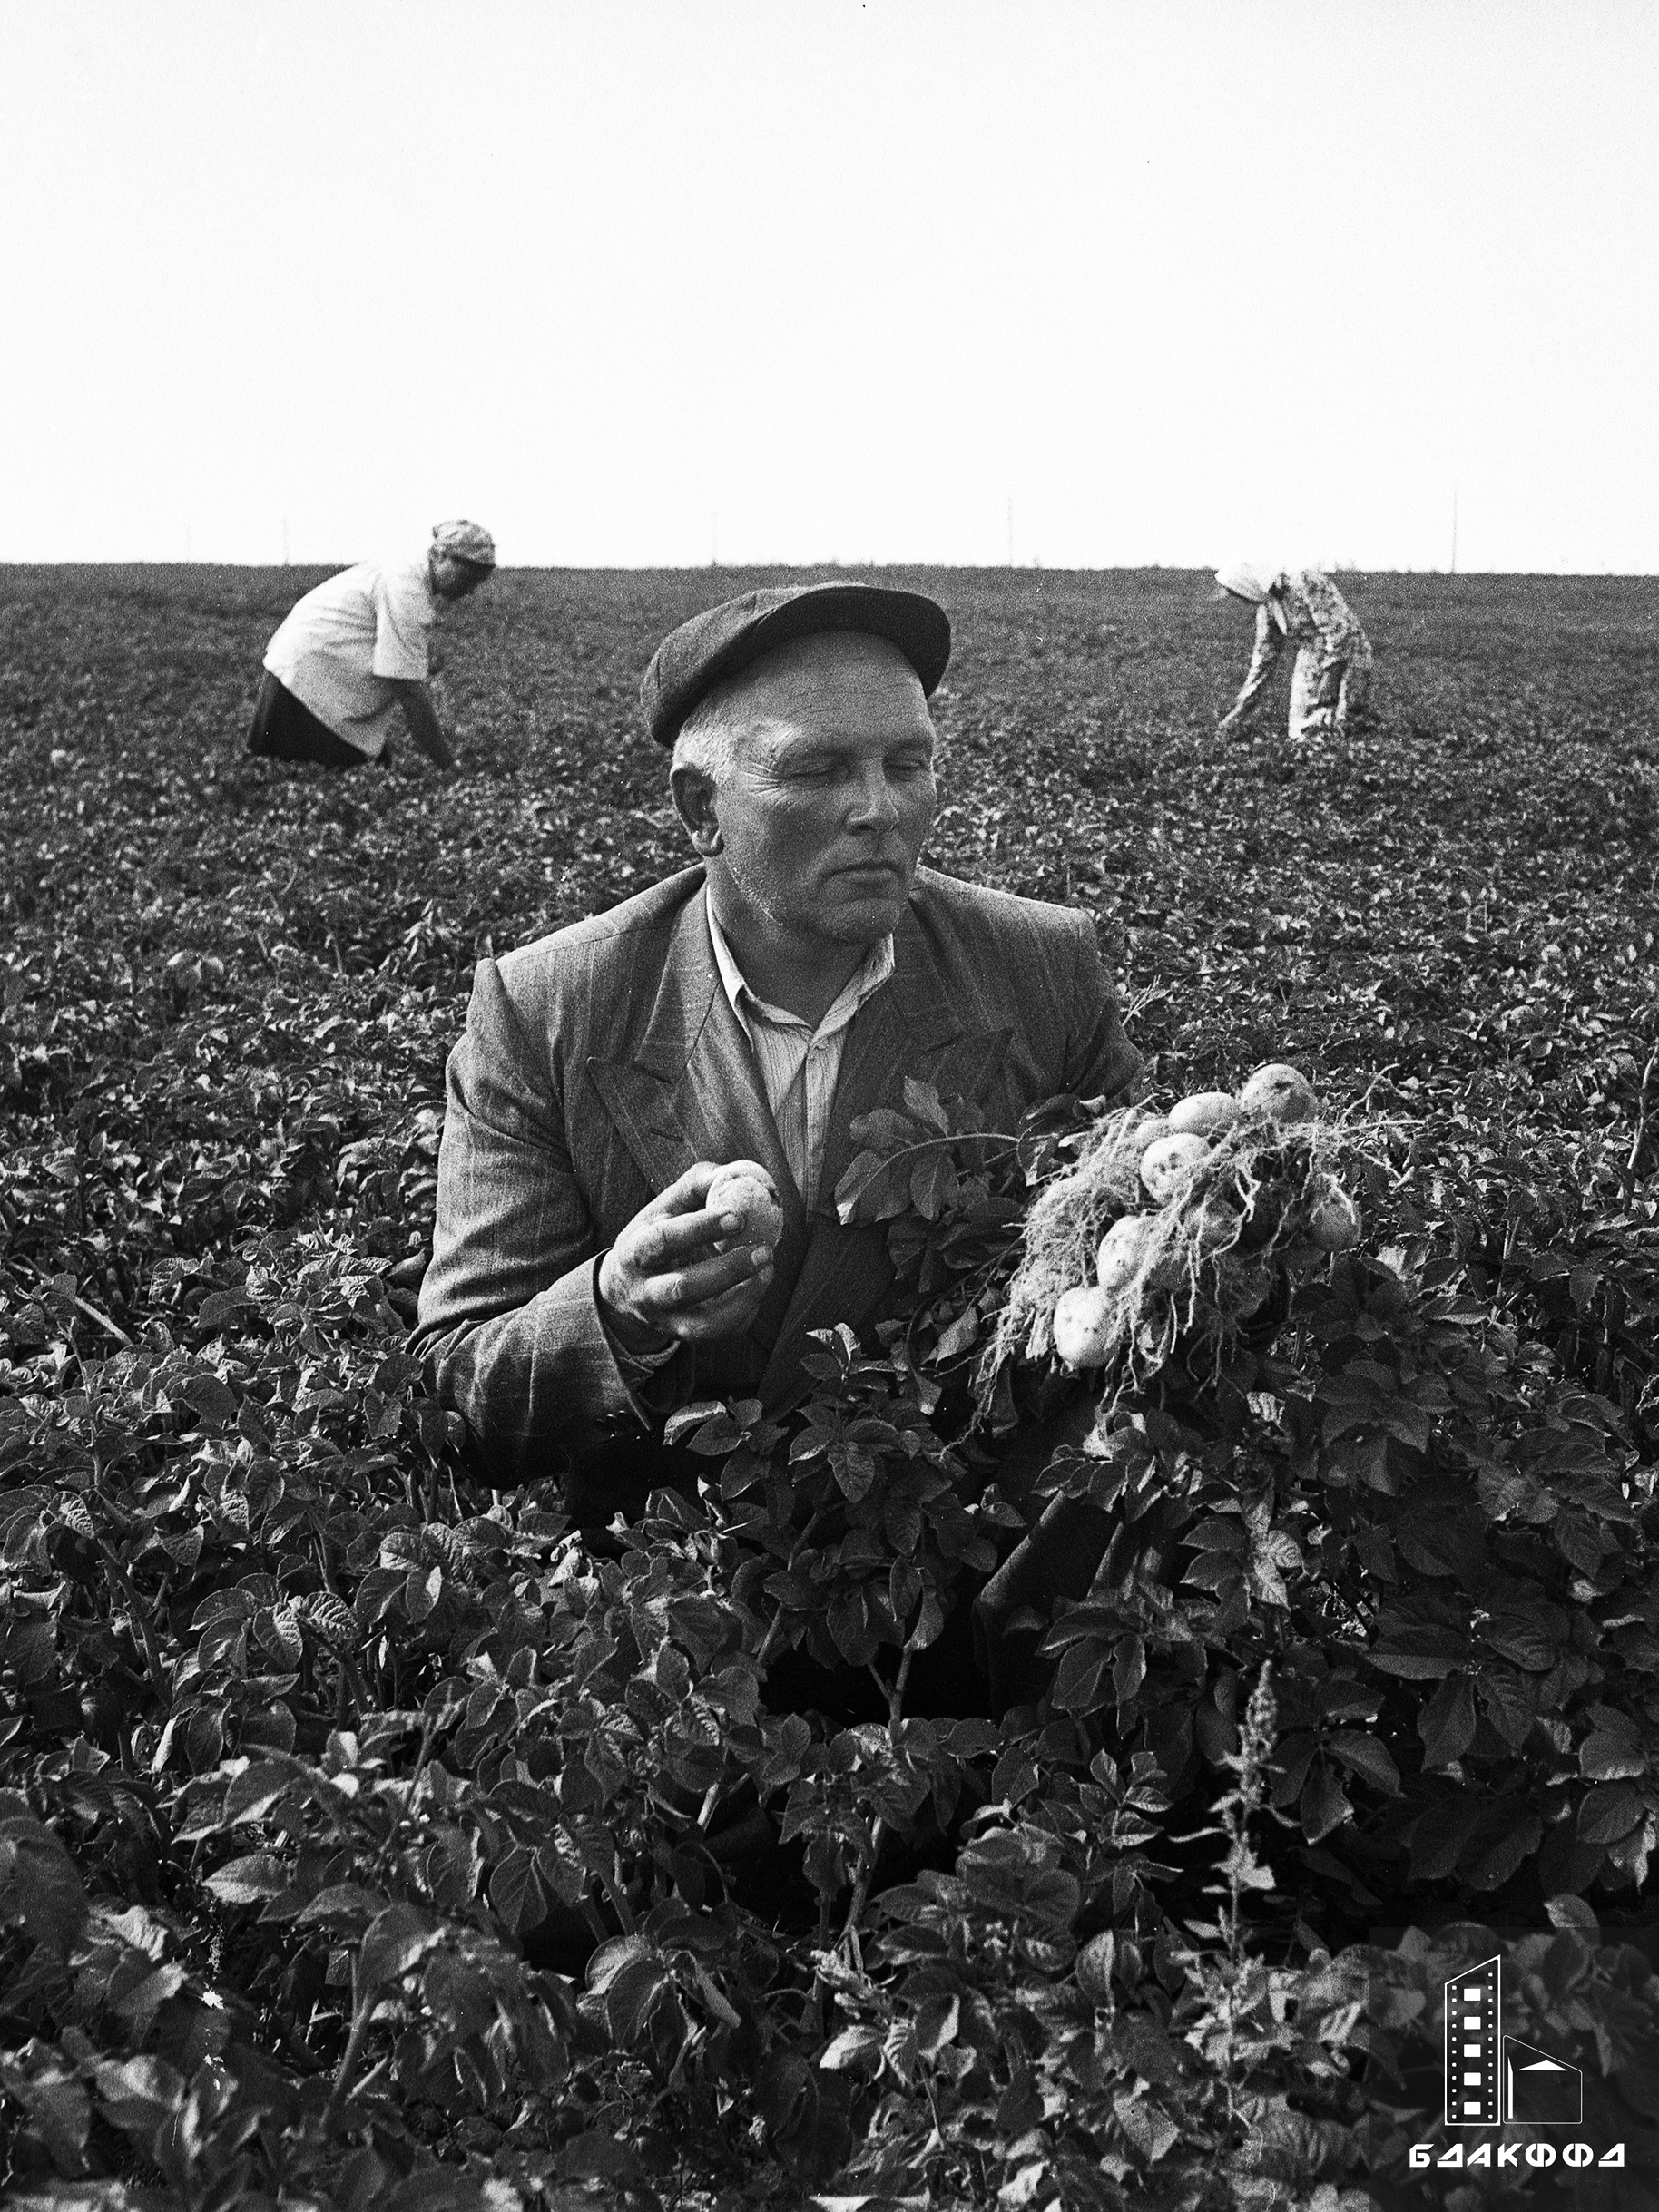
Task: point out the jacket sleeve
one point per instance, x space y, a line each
1263 661
508 1308
1100 1061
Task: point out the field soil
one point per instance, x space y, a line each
1465 893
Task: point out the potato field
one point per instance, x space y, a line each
366 1845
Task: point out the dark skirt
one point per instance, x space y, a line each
283 728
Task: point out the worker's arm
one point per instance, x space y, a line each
1269 639
416 700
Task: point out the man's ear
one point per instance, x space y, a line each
694 791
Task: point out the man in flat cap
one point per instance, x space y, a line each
751 1007
356 649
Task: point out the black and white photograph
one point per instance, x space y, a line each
829 1106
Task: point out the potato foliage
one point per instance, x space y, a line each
365 1843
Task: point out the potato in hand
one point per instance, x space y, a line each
746 1189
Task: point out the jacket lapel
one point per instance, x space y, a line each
908 1028
643 1089
728 1106
691 1090
724 1104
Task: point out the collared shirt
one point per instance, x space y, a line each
799 1064
343 645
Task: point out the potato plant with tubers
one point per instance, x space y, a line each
1186 1232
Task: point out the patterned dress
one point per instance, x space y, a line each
1331 679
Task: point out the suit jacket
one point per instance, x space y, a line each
602 1061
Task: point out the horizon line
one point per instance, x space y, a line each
703 568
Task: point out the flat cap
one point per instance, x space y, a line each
691 661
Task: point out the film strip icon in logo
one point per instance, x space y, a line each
1474 2047
1493 2080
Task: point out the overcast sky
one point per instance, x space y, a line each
810 280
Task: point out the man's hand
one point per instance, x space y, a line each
662 1282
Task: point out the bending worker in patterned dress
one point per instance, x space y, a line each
356 649
1332 676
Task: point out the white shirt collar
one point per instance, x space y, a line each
868 978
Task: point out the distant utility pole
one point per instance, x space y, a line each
1454 560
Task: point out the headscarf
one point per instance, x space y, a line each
1245 580
466 541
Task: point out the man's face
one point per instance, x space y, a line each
452 578
824 812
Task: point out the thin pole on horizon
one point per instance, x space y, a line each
1454 557
285 541
1010 529
714 541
